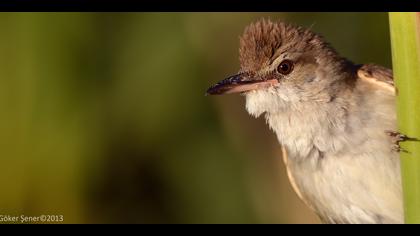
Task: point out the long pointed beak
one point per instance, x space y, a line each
239 83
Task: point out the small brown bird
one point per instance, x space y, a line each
331 117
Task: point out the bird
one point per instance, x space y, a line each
335 121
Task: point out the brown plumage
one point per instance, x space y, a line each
331 118
261 40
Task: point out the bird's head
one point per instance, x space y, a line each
283 65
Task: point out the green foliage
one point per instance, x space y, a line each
405 29
103 117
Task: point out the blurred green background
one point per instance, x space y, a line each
104 118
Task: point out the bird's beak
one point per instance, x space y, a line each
239 83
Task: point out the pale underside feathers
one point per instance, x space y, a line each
330 116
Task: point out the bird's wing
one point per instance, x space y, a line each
377 75
292 179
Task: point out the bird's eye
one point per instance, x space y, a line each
285 67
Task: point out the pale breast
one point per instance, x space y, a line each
350 189
347 172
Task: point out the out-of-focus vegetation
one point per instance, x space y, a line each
104 119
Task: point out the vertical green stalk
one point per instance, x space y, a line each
405 41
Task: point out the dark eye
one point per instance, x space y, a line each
285 67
